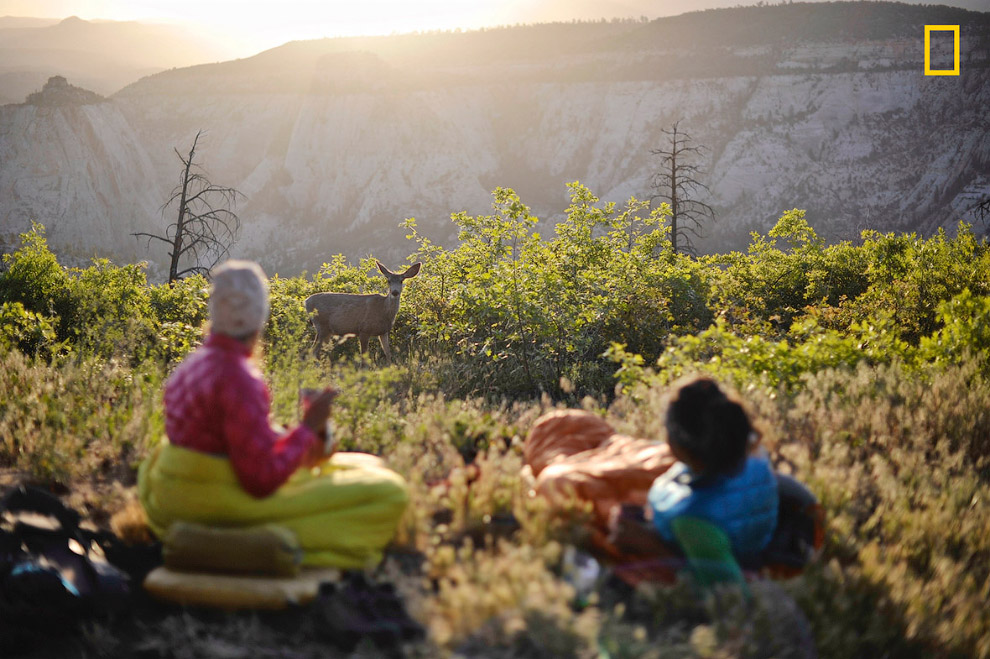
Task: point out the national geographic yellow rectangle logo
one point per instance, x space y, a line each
954 29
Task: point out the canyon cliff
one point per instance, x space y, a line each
334 142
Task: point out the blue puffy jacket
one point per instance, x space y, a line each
744 504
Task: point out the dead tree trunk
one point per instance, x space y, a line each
205 226
677 182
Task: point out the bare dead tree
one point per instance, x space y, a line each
206 225
982 210
676 181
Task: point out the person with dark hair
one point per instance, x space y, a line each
707 498
721 487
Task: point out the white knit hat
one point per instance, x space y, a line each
239 299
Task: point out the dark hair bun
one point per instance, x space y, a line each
712 427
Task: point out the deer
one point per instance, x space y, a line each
347 314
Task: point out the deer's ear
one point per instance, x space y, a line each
412 270
385 271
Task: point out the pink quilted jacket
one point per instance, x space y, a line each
217 402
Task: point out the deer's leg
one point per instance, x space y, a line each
320 337
363 338
384 340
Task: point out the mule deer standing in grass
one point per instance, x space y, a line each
343 314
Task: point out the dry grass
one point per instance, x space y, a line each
899 462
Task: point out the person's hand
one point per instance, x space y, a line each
314 456
318 411
631 533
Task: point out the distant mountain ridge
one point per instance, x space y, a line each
100 55
542 46
7 22
335 141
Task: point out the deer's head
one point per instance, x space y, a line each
397 281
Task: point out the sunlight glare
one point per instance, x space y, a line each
267 24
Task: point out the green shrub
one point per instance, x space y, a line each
32 274
28 331
103 309
179 313
110 312
912 276
965 331
522 312
784 273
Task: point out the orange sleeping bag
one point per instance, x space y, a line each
574 453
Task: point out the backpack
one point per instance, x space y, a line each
51 574
800 532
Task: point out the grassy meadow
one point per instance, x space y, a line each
867 366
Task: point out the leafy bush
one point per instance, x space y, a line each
523 312
965 331
911 276
104 309
28 331
785 272
791 273
179 311
808 348
109 311
33 276
749 360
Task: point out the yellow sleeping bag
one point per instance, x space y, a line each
343 512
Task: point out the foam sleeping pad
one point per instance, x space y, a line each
235 592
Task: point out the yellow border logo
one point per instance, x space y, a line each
954 29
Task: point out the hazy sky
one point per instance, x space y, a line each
254 25
263 24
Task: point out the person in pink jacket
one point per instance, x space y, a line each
217 402
224 467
